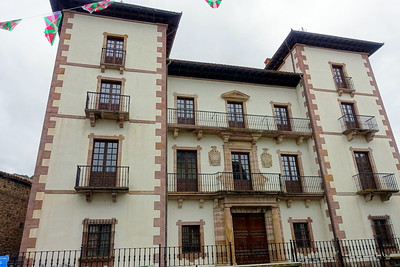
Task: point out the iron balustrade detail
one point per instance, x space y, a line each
358 252
350 122
344 82
256 182
114 103
102 178
376 182
213 119
112 56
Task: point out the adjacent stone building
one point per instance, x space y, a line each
14 196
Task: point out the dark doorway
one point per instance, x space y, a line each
241 171
365 171
250 238
187 171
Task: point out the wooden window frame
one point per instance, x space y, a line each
307 221
236 97
188 96
175 149
390 225
101 79
191 255
300 167
370 156
106 35
289 112
344 69
85 238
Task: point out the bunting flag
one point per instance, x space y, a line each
93 7
9 25
214 3
52 24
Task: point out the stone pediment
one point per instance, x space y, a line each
235 96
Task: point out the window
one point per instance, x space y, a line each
110 95
350 116
302 234
235 115
114 51
191 239
186 165
185 110
98 238
241 171
282 118
339 77
365 171
382 230
291 173
104 163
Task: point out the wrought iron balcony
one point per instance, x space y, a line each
376 182
107 106
112 179
113 58
210 121
253 182
350 122
344 84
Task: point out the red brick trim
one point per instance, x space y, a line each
161 132
41 169
319 141
382 111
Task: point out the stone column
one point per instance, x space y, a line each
276 222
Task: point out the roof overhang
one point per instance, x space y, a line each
320 40
130 12
232 73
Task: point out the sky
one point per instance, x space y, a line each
242 33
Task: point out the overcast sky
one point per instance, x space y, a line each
239 32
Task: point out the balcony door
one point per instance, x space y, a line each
186 164
282 118
110 96
339 77
291 173
114 51
235 115
104 164
185 111
365 171
350 117
241 171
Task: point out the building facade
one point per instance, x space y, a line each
139 150
14 196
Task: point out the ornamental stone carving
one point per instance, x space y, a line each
214 157
266 159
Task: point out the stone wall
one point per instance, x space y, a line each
14 195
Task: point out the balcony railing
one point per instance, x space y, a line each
105 102
355 252
213 119
111 56
102 178
254 182
351 122
376 182
343 82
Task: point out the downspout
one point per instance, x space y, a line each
321 167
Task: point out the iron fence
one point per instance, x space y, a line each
107 102
226 120
361 252
376 181
111 177
231 181
112 56
343 82
358 122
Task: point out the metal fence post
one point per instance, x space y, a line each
293 250
230 254
338 247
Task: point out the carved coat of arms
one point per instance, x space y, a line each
266 159
214 157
